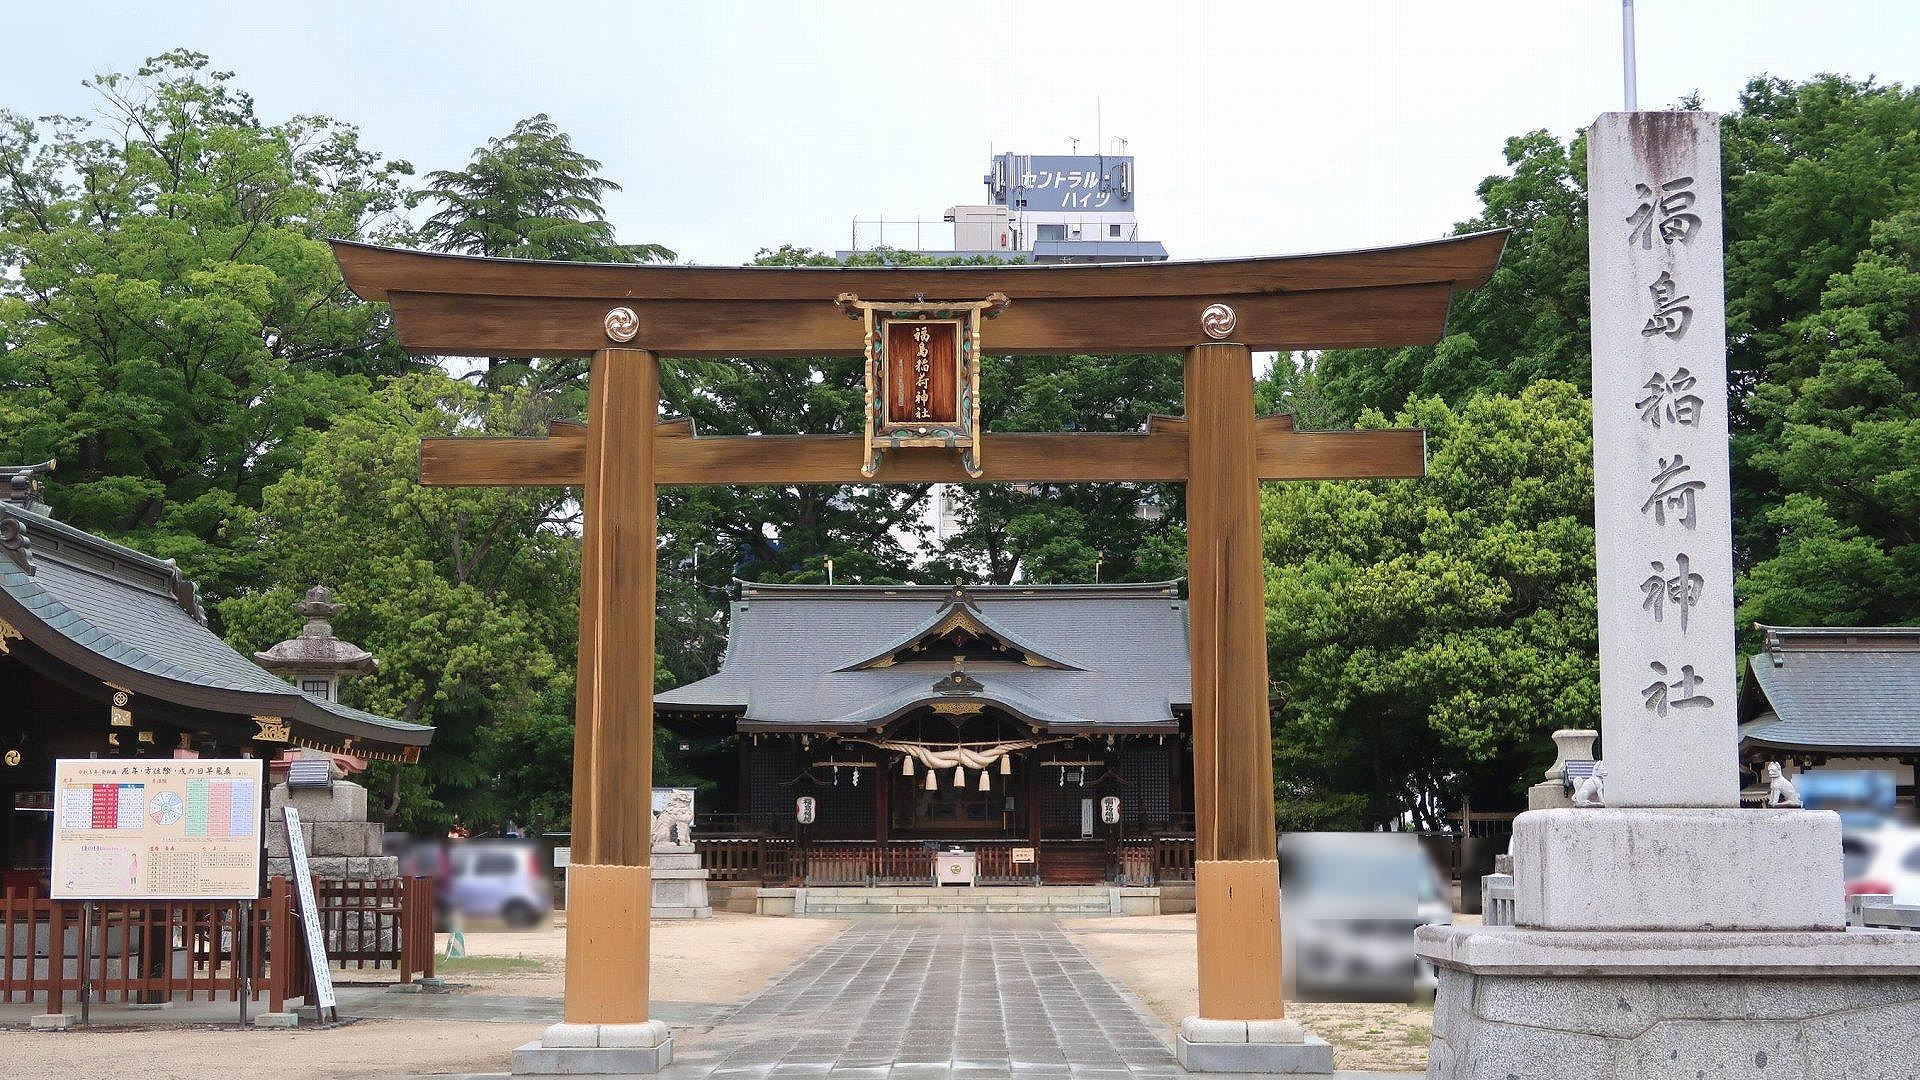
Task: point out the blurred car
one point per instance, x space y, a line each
501 879
1349 906
1885 859
1864 798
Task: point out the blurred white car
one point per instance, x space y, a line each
1883 860
500 879
1349 904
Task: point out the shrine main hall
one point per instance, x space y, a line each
1053 720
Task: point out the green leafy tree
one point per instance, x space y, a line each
529 194
467 595
1528 322
1426 635
770 533
1841 413
172 325
1071 532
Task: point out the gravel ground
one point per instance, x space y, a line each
723 959
1154 957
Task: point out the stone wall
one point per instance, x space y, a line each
341 842
341 845
1533 1027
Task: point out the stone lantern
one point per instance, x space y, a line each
316 660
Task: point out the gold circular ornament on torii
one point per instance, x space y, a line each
622 324
1218 321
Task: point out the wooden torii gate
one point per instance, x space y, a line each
625 317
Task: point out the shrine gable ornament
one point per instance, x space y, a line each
923 374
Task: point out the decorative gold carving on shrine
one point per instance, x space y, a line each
13 758
923 374
118 713
622 324
958 708
273 729
7 631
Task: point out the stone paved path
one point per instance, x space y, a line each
971 997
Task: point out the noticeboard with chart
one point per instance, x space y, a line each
156 829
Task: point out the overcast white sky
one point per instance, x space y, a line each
1260 128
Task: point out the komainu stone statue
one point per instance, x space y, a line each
1592 790
673 825
1780 790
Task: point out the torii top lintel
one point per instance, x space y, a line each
469 305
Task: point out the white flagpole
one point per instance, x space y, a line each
1628 72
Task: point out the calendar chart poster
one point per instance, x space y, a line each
157 829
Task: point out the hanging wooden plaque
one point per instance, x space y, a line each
923 375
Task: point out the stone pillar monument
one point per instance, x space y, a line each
1668 932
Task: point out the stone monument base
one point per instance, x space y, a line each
1633 868
679 884
596 1050
1522 1004
1250 1046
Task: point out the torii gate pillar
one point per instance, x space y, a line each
609 886
1241 1025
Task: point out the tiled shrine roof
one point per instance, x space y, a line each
1834 690
135 622
1067 658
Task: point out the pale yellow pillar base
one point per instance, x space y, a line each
1238 909
607 912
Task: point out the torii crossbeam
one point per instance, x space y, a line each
626 317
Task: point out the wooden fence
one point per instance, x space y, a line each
164 951
777 861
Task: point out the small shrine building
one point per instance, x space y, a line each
1839 698
992 716
105 652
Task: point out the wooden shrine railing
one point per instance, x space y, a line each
383 923
173 950
743 859
777 861
1156 860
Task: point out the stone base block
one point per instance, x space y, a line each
345 801
1600 868
52 1021
1539 1005
1551 795
596 1050
1312 1055
775 901
277 1020
679 886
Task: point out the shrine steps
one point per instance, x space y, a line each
1062 900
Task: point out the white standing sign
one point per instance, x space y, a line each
1662 506
309 913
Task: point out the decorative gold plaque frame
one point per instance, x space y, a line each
882 432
